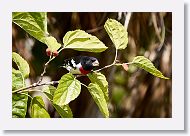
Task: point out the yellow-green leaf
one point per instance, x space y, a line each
19 101
117 33
17 79
35 23
98 97
147 65
63 111
81 41
38 108
21 64
52 43
100 79
49 91
68 89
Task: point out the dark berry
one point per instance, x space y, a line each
55 53
48 52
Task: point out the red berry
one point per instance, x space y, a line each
48 52
55 53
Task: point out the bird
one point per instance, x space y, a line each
80 65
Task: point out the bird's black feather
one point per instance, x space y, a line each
85 61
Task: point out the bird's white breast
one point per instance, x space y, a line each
76 70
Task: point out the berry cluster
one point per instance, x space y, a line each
49 52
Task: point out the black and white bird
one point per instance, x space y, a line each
80 65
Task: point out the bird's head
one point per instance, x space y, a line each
88 63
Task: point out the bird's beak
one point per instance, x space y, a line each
95 63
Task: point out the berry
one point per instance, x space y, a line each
48 52
55 53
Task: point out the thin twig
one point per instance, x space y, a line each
119 64
115 56
23 91
104 67
44 71
35 85
45 66
114 62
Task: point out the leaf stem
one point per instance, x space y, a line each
119 64
113 64
26 95
115 56
84 85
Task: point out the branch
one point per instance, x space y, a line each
114 62
44 71
104 67
35 85
45 66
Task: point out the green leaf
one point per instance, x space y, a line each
35 23
100 79
81 41
49 91
98 97
146 64
63 111
38 108
22 64
68 89
19 101
17 79
19 105
117 33
52 43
